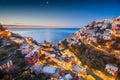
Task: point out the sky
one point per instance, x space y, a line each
56 13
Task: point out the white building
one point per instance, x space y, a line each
78 68
49 69
108 32
13 38
37 67
111 69
106 23
68 77
50 55
32 52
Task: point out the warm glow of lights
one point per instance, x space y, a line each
115 34
95 40
16 41
28 40
107 45
89 77
5 33
53 79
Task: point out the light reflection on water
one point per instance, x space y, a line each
48 34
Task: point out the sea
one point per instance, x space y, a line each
49 34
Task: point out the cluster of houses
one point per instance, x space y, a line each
4 32
4 63
32 52
74 39
58 73
48 50
102 29
98 29
116 25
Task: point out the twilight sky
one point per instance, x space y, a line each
57 13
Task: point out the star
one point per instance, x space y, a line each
47 2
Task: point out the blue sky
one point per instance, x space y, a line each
56 13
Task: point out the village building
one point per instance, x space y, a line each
37 67
111 69
78 68
32 57
68 77
106 24
49 69
5 43
6 64
116 25
60 45
51 55
25 48
17 40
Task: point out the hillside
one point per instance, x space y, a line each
91 53
22 58
97 45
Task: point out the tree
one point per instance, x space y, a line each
1 26
1 74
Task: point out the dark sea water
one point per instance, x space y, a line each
48 34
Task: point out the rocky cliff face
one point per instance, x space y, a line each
97 43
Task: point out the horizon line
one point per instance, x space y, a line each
36 26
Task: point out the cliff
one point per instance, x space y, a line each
97 44
91 53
